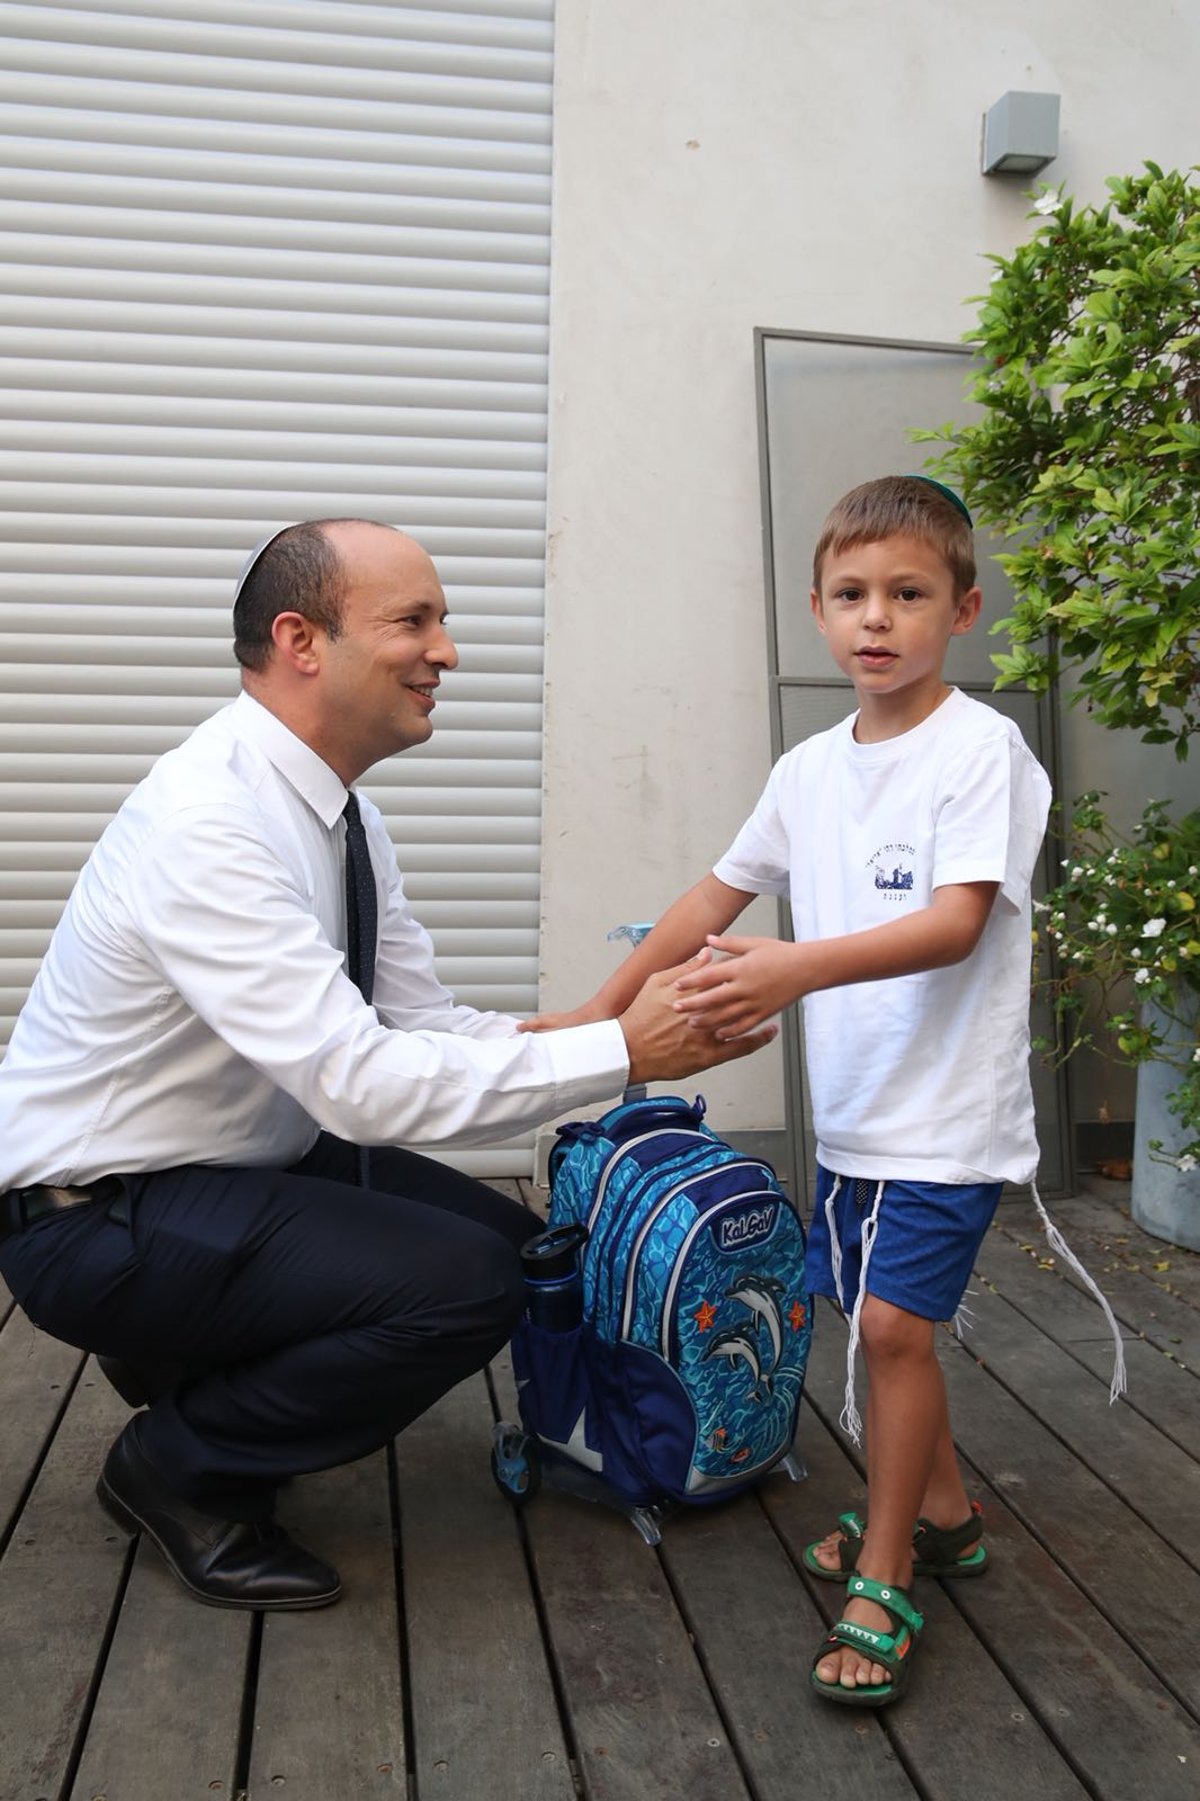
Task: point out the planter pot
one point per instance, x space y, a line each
1165 1201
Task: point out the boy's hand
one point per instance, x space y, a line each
664 1044
754 979
587 1015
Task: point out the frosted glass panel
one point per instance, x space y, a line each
836 415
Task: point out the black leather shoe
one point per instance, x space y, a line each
140 1383
227 1563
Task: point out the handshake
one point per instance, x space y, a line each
665 1044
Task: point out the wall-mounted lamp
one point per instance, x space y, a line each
1020 134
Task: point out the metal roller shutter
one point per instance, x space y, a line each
266 260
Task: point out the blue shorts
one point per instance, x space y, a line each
925 1246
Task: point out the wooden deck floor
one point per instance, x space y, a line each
483 1655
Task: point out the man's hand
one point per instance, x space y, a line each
754 979
665 1045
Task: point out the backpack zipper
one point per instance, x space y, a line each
640 1186
701 1219
607 1172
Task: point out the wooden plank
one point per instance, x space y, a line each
169 1703
1110 1226
36 1373
756 1629
1124 1731
1141 1586
643 1718
485 1717
1160 1389
329 1723
1027 1258
994 1732
60 1577
640 1708
1138 1301
1073 1672
1129 1455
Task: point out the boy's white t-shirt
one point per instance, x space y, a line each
925 1076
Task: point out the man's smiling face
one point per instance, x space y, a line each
380 673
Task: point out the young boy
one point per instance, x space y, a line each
905 839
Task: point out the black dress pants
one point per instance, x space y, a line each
316 1318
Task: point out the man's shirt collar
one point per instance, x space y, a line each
299 765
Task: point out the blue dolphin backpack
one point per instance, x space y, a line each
682 1382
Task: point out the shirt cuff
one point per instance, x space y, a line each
588 1063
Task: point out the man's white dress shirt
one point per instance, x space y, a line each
194 1006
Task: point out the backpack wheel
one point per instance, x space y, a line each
516 1467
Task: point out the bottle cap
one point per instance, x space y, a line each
555 1253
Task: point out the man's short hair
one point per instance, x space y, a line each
298 572
900 506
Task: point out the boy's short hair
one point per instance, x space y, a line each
900 506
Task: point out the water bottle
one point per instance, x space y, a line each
553 1283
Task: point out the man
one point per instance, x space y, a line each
188 1086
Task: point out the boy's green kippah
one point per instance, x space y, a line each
954 499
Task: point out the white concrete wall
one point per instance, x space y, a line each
721 165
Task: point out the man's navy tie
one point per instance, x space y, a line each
362 924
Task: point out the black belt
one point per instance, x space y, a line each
22 1207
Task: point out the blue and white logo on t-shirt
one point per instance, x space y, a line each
892 865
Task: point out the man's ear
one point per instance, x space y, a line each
818 611
295 639
966 611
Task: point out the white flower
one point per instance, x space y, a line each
1136 951
1046 204
1196 1055
1143 975
1154 928
1041 906
1192 870
1076 872
1185 1164
1111 930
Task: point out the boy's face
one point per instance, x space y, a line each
889 609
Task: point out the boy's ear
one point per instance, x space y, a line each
818 612
966 611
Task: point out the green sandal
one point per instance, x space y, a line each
892 1649
935 1548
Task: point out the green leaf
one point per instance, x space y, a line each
1084 456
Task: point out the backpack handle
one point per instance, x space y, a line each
627 1121
634 1117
